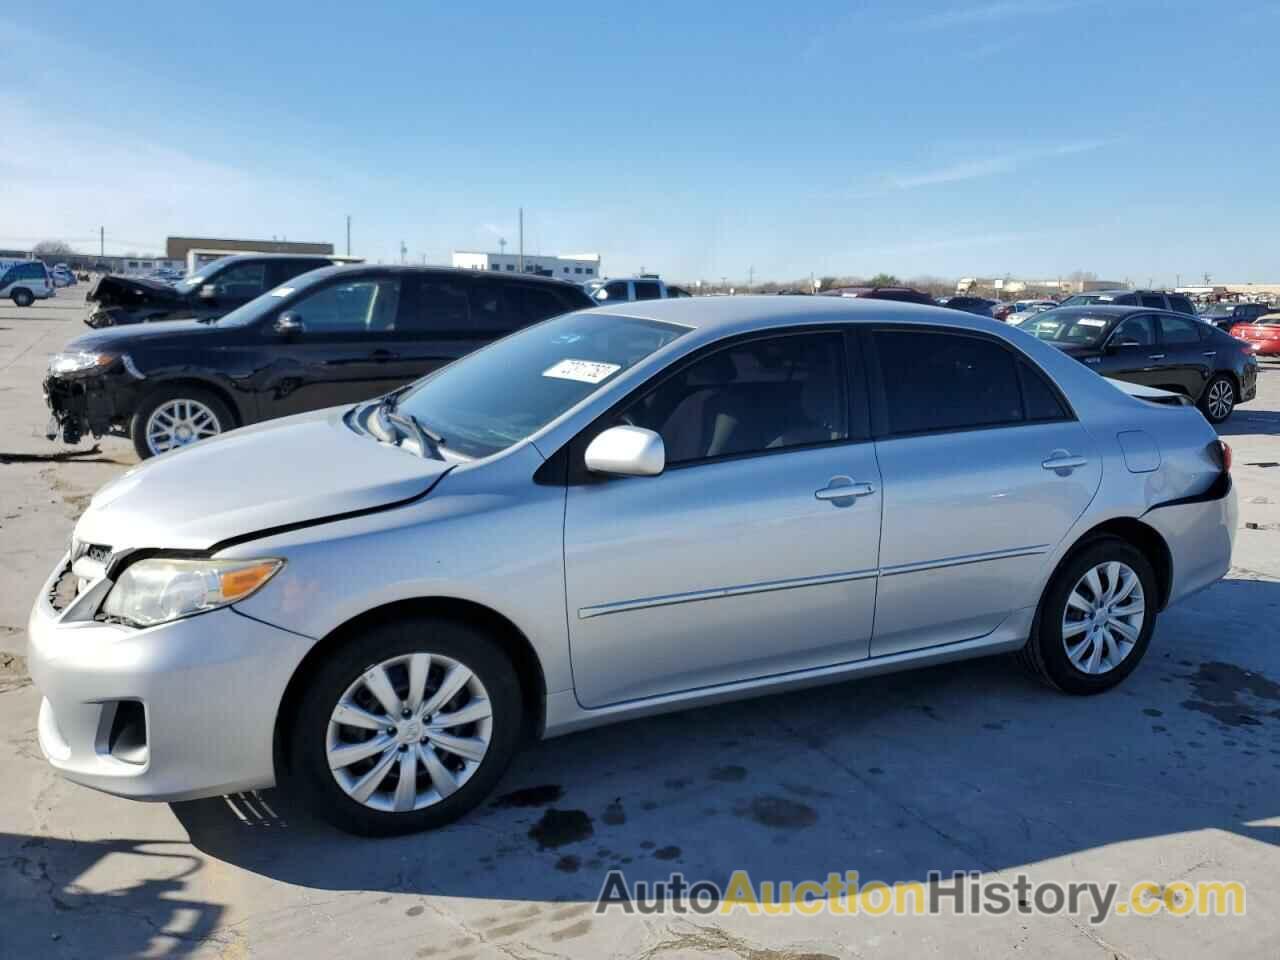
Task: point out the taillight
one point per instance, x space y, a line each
1226 456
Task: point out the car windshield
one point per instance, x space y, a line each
1068 326
497 396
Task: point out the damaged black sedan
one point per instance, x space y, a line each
332 336
216 289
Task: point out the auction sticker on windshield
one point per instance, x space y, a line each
584 371
1092 323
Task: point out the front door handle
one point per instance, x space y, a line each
1062 460
845 488
1156 356
1210 353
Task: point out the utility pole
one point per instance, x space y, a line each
403 250
751 277
520 256
502 246
348 234
102 241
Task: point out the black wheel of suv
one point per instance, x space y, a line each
172 417
22 297
1095 619
405 727
1218 399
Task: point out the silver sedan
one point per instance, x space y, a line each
611 514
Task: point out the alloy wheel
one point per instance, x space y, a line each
409 732
1103 618
178 422
1222 397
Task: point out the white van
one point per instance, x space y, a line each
24 281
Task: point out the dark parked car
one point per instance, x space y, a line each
1171 351
1155 299
332 336
215 289
1225 315
902 294
979 305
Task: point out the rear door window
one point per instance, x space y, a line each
1181 304
496 308
934 381
647 290
440 306
1155 300
1178 330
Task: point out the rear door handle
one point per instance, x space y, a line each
1063 461
844 488
1210 353
1156 356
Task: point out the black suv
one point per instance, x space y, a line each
331 336
216 288
1154 299
1226 315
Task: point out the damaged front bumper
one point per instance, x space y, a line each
97 405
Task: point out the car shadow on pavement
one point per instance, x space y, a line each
1247 421
160 920
965 767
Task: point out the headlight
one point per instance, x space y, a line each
158 590
81 361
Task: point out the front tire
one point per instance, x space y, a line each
173 417
22 297
1218 399
407 726
1095 619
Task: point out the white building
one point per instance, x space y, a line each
580 266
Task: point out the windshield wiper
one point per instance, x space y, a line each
429 442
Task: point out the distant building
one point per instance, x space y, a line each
176 248
582 266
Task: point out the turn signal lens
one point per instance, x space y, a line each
1226 456
242 582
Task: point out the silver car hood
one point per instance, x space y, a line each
281 473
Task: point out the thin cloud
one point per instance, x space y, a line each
998 11
973 169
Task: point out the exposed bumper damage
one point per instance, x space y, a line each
96 405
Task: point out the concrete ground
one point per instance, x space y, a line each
1171 777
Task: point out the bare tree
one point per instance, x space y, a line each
53 248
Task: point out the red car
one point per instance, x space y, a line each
1263 334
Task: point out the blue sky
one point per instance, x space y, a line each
979 137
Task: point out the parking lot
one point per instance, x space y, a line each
973 767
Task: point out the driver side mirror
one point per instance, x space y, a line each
289 324
627 452
208 291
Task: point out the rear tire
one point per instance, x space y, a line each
1219 398
206 414
446 784
22 297
1113 638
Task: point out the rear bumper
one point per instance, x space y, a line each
1200 534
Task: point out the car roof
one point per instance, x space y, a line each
398 269
714 314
